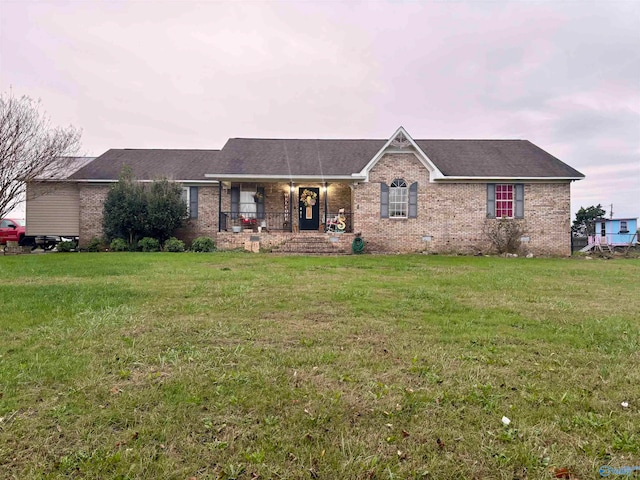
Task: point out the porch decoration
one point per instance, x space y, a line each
257 197
308 197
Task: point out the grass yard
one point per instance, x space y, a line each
232 365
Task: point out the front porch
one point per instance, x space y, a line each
285 208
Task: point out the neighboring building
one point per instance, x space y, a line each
403 195
615 232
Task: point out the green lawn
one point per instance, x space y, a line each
232 365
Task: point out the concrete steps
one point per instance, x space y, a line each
315 244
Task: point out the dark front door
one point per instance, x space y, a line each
309 210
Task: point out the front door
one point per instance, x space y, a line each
309 208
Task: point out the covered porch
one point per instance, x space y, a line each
285 207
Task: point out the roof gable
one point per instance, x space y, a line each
401 142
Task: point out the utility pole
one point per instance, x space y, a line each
611 210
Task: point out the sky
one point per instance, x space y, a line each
191 74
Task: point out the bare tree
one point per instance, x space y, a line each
31 149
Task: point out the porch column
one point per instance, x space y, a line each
325 187
291 187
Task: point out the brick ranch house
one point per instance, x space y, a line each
403 195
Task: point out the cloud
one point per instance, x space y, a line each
565 75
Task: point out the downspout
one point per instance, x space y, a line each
220 207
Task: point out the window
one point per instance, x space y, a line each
245 203
185 196
190 197
248 205
504 201
398 199
603 229
624 228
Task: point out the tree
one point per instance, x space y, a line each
166 210
132 211
125 209
31 149
583 224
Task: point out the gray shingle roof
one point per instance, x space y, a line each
67 167
150 164
295 157
494 158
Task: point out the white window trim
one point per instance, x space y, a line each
186 196
513 200
404 198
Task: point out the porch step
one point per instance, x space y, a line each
312 243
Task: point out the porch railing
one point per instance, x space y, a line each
280 221
334 222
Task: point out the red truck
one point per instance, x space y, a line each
11 231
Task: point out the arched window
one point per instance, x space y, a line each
398 198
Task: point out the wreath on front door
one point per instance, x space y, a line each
308 198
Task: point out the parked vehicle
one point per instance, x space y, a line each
13 230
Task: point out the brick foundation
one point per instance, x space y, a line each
332 243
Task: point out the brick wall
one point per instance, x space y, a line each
92 198
339 196
451 215
207 222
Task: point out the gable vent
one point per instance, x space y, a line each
401 141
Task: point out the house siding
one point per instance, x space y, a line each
53 209
452 215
